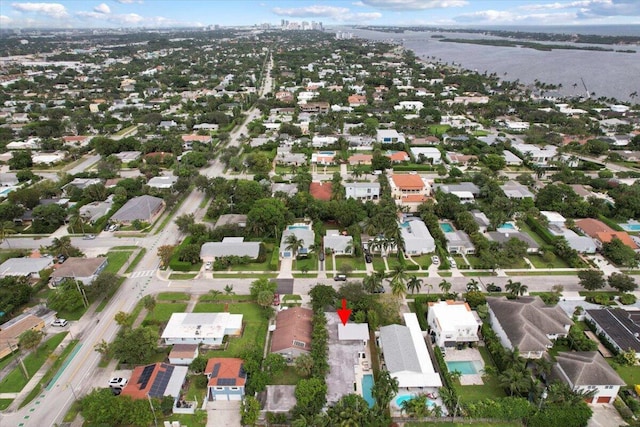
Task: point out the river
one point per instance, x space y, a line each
608 74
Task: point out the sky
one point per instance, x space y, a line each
165 13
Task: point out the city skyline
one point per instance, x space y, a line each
160 13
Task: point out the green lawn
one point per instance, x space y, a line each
356 262
173 296
524 227
540 263
288 377
116 260
490 389
378 263
308 264
423 260
255 327
164 310
182 276
15 380
438 129
466 423
256 275
630 374
257 266
136 260
4 403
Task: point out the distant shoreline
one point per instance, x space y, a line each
531 45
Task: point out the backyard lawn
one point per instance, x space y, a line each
287 377
255 326
164 310
630 374
15 380
490 388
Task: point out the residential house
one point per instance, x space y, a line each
321 190
389 136
430 155
357 100
338 243
84 270
554 218
229 246
511 159
281 187
397 156
405 355
360 159
527 324
465 191
505 235
620 327
292 334
409 189
34 319
416 237
362 190
515 190
81 184
354 332
77 141
284 156
157 380
461 159
183 354
162 182
227 378
414 106
539 156
453 323
92 212
128 156
587 371
9 179
324 158
188 140
143 208
315 107
481 219
458 242
238 220
29 268
201 328
303 232
602 233
48 158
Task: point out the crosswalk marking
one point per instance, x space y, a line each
145 273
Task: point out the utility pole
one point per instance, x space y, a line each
155 420
24 368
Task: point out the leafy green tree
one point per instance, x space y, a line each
30 339
517 381
293 244
165 252
189 253
14 292
47 218
135 346
63 246
185 221
260 285
149 303
620 253
274 364
622 282
303 365
123 318
322 296
267 217
311 396
249 410
350 410
199 364
384 388
20 159
591 279
103 284
66 297
265 299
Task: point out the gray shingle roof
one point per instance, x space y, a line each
528 320
398 345
141 208
24 266
584 368
504 237
618 325
230 246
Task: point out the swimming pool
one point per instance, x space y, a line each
327 153
298 227
466 367
631 226
508 225
367 385
446 227
404 397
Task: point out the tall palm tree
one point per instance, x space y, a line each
516 288
62 246
293 244
445 286
473 285
517 381
75 221
6 228
414 284
229 291
398 280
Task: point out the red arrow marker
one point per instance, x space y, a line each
344 312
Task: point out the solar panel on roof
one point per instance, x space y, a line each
146 374
226 381
216 369
242 373
161 381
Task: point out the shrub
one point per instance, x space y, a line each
275 259
627 299
412 267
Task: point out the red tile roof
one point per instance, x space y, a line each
225 368
593 226
320 190
408 181
606 237
398 156
414 198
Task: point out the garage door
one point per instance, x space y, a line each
235 397
604 399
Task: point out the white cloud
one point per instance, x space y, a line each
128 1
358 3
5 20
335 13
102 8
414 4
506 17
53 10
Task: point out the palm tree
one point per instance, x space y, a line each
473 285
373 281
516 288
75 221
398 279
62 246
6 228
229 291
214 294
445 286
293 244
517 381
414 284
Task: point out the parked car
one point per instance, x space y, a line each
113 227
60 322
379 290
208 265
368 258
452 262
118 382
61 258
435 260
321 256
340 277
89 237
493 288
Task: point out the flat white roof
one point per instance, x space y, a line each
353 331
553 216
201 325
453 316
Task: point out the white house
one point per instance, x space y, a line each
183 354
230 246
587 371
362 190
389 136
205 328
453 322
409 106
303 232
429 154
25 267
338 243
416 237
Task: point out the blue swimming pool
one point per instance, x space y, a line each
404 397
508 225
367 385
327 153
631 226
446 227
464 367
297 227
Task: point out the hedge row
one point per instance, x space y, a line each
275 259
540 230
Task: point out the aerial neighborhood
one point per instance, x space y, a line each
187 217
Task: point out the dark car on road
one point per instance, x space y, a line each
340 277
368 259
493 288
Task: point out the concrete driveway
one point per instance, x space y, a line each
605 415
223 413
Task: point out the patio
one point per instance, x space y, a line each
467 355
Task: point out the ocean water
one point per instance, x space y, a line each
608 74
